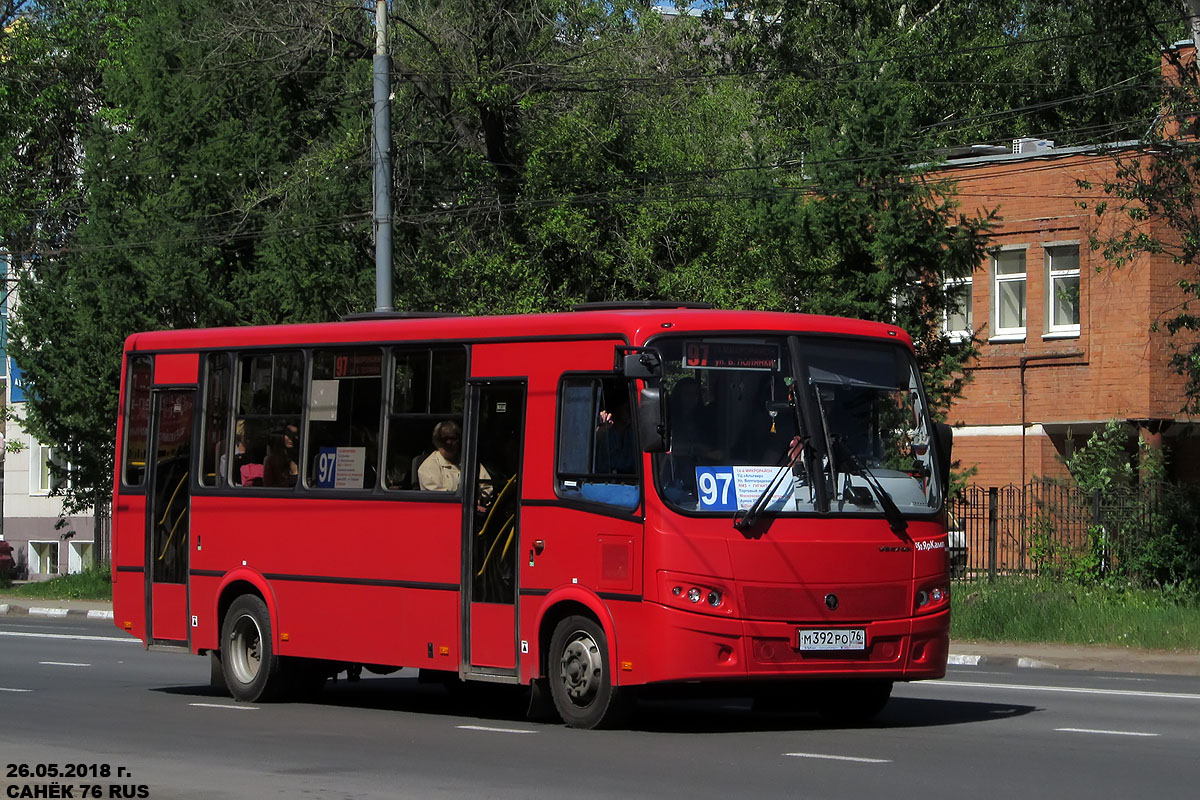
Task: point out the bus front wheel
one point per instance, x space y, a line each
252 670
581 676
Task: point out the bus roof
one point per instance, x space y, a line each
635 324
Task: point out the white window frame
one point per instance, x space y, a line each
80 555
1011 333
40 455
961 334
35 561
1053 328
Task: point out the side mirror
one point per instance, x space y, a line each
945 443
653 429
638 362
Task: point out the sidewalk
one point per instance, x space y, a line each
1070 656
35 607
1006 654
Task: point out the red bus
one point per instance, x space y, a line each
589 503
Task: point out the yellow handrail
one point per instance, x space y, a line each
166 512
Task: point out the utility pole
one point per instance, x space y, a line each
382 149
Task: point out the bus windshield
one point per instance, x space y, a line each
793 425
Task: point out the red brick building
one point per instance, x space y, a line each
1067 339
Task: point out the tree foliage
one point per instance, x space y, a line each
209 162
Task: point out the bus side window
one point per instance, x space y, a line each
345 398
267 428
428 387
137 419
598 453
214 466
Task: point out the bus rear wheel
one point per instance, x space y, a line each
252 670
581 676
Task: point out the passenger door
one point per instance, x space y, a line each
168 515
492 461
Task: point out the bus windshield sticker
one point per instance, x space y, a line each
716 354
341 467
323 401
735 488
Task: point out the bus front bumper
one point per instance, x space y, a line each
685 646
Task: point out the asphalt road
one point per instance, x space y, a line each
76 694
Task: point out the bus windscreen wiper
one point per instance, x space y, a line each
744 520
891 511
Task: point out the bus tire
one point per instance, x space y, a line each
216 672
580 676
252 669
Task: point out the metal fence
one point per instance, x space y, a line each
1043 525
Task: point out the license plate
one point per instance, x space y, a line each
833 639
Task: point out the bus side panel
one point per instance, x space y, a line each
598 552
491 635
129 560
170 611
354 580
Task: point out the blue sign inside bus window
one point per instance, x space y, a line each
327 467
716 488
341 467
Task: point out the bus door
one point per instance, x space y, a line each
167 517
491 498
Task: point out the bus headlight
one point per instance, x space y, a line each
695 593
931 597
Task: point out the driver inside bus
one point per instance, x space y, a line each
440 471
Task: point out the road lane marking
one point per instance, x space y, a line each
1107 733
3 689
493 730
64 664
1019 687
74 636
224 705
841 758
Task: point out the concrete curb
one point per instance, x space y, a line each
998 661
44 611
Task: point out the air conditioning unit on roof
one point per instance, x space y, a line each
1031 145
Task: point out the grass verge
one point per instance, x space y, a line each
91 584
1035 610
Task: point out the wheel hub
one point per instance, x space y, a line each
246 649
581 668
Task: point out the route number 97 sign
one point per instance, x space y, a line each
733 488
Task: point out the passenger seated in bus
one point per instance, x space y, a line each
439 472
616 450
278 469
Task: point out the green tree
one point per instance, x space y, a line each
218 183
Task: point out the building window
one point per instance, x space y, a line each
1062 295
43 558
47 469
958 321
1008 295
